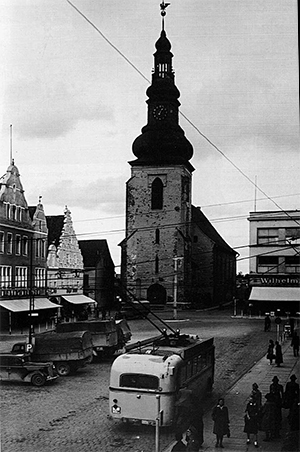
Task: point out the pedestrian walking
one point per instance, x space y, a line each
270 352
257 395
295 344
183 409
291 392
179 446
192 440
268 417
267 323
220 416
276 389
197 418
278 354
251 420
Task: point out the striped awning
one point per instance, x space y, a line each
22 305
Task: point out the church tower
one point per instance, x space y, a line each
156 252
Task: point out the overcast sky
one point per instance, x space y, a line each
76 105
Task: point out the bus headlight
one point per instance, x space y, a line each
115 409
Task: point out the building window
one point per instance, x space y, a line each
25 246
14 212
1 242
5 276
292 235
156 264
292 264
18 244
7 211
267 264
40 277
9 243
157 189
157 236
267 236
21 277
195 239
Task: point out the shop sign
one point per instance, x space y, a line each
285 281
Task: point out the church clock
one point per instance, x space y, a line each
159 112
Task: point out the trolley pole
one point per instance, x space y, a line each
157 422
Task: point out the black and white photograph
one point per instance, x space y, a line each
149 226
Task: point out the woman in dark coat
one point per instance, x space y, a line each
270 352
278 354
251 420
220 417
268 417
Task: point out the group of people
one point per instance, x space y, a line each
258 416
274 352
268 417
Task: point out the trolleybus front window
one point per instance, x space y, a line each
139 381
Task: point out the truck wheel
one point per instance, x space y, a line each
38 379
63 368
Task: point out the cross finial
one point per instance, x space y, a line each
163 7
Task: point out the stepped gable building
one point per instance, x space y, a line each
274 266
99 272
23 241
158 261
65 266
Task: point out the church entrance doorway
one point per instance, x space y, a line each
157 294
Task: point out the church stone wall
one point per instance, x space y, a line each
142 222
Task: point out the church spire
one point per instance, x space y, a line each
162 140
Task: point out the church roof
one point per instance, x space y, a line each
199 219
92 250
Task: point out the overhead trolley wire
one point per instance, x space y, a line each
183 115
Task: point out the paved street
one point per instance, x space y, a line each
72 413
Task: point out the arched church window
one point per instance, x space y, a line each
157 194
157 236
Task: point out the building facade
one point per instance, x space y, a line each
65 267
274 266
23 244
158 256
99 273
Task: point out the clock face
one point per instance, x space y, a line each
159 112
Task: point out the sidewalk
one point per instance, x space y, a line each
236 399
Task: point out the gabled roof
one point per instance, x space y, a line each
55 225
207 228
92 250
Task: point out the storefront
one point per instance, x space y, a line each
15 314
274 299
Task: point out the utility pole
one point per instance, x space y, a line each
175 259
31 294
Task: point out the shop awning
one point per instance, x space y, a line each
78 299
275 294
22 305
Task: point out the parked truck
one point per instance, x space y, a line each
108 336
68 351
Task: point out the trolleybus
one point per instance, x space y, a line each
159 366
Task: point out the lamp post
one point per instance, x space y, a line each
176 260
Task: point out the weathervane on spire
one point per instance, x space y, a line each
163 7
